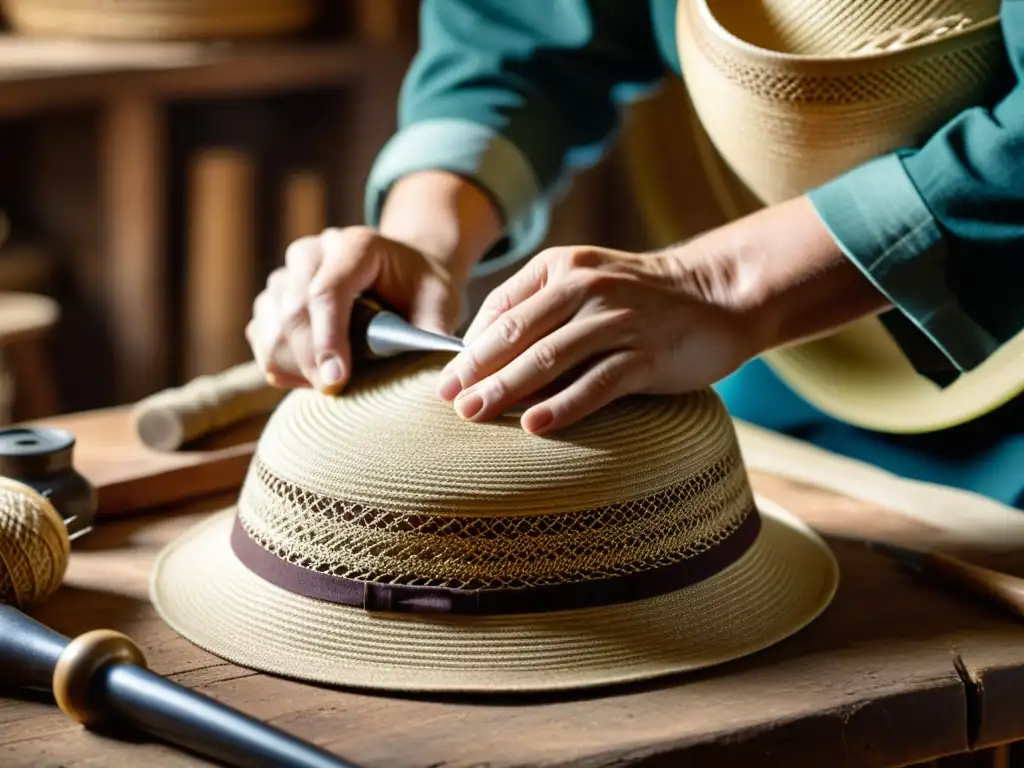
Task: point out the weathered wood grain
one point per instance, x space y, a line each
874 682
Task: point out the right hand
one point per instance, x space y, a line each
299 329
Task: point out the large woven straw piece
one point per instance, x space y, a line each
795 92
784 95
387 489
159 19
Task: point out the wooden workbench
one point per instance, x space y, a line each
896 672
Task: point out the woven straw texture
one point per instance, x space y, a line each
388 484
782 95
795 92
159 19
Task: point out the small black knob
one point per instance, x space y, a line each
43 458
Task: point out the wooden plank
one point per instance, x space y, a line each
131 478
303 208
43 76
222 263
871 683
876 681
133 185
896 672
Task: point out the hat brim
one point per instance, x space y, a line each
202 591
859 375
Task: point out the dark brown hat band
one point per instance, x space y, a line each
410 598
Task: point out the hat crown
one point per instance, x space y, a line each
386 484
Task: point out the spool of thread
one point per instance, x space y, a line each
34 546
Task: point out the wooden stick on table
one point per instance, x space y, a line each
221 260
168 420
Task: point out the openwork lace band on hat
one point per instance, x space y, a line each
370 558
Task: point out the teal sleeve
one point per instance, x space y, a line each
939 228
517 97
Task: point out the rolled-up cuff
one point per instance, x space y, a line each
483 156
884 227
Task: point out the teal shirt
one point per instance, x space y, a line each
519 96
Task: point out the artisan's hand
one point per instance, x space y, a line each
434 227
299 329
619 323
610 324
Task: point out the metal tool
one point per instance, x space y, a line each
101 676
376 331
172 418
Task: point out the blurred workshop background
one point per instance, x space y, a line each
155 160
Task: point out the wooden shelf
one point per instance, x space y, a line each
39 75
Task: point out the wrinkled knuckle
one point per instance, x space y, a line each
301 252
545 355
510 327
497 302
321 289
354 239
583 258
469 366
554 259
497 389
277 279
608 377
556 254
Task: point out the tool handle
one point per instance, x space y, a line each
1001 588
102 674
29 650
169 419
203 725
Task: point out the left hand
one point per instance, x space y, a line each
620 323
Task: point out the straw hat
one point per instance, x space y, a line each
380 541
787 94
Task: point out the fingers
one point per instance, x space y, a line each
264 331
523 284
607 380
351 262
550 358
302 259
299 332
509 336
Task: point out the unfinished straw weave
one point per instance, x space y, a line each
159 19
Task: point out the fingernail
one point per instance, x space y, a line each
469 405
537 419
449 387
330 372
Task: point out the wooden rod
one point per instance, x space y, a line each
221 261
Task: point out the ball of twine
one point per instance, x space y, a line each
34 545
